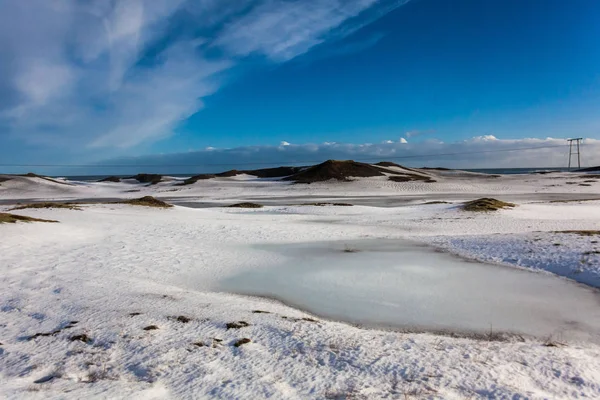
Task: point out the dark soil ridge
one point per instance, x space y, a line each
278 172
32 175
115 179
338 170
346 170
245 205
146 201
486 204
47 204
152 179
6 218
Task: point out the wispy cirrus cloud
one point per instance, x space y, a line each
101 74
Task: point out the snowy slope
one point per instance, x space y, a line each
100 265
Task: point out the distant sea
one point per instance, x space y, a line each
501 171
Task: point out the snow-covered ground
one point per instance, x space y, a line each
117 269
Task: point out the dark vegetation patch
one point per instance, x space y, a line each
240 342
4 179
411 178
278 172
199 344
32 175
150 328
581 233
196 178
45 379
229 174
70 206
437 168
81 338
183 319
147 201
260 312
572 201
246 205
585 184
110 179
589 253
590 181
6 218
135 314
54 332
388 164
586 176
152 179
437 202
337 170
348 249
308 319
486 204
327 204
236 325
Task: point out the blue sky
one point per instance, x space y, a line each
286 80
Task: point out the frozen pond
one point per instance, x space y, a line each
403 285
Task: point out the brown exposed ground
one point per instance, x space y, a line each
196 178
146 201
6 218
338 170
110 179
70 206
388 164
246 205
581 233
410 178
278 172
152 179
486 204
327 204
229 174
32 175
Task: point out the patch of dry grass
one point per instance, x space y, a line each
146 201
411 178
32 175
241 342
70 206
6 218
327 204
246 205
581 233
572 201
486 204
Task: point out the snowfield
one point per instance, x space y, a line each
121 301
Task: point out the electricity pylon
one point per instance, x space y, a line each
577 151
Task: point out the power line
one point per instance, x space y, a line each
277 162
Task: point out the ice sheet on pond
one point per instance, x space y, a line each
400 284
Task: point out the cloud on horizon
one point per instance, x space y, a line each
101 74
478 152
